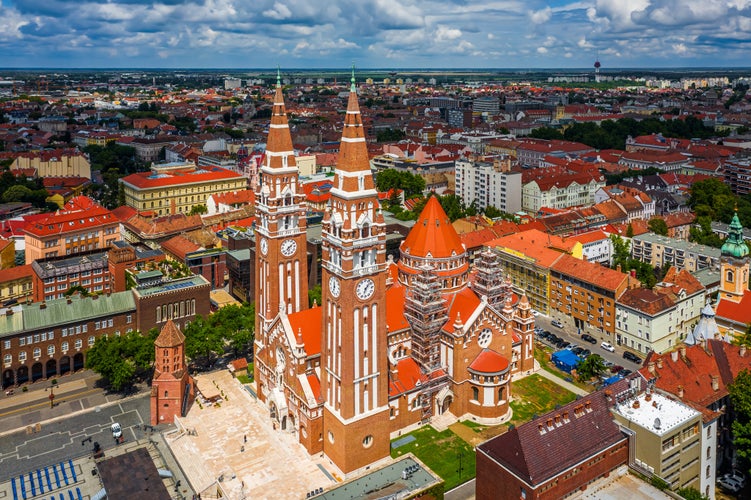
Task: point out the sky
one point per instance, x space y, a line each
387 34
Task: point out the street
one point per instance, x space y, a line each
615 357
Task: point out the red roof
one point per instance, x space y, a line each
395 319
14 273
433 234
149 180
736 311
80 213
408 375
489 361
315 386
309 323
461 304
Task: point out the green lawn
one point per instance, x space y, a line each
536 395
441 452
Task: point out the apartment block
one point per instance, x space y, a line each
489 183
660 250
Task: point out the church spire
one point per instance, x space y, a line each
734 246
279 150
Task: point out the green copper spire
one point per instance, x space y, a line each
278 77
734 246
352 80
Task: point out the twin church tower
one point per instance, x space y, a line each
389 346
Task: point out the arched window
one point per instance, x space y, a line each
729 276
37 352
475 393
158 314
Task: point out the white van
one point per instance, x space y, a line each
116 430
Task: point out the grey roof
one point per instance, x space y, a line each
74 263
240 255
679 244
52 313
707 277
167 286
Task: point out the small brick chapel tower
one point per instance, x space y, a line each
172 388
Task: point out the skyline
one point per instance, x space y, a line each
227 34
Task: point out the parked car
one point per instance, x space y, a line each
607 364
631 357
577 350
556 323
585 353
116 430
616 369
625 373
609 347
736 476
535 313
588 338
729 484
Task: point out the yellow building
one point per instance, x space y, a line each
54 163
177 187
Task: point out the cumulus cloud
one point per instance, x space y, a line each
279 11
541 16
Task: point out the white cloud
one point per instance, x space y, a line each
280 11
541 16
444 33
542 50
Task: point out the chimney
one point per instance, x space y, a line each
95 296
715 383
682 350
541 428
69 300
742 350
9 312
565 416
549 423
680 391
43 305
651 367
659 363
588 406
618 268
674 356
558 420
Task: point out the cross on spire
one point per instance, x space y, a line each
352 80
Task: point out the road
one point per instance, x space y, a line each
615 357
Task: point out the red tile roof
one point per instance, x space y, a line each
14 273
308 322
590 272
489 361
739 312
149 180
79 214
433 234
408 374
395 319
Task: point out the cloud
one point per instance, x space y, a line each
541 16
280 11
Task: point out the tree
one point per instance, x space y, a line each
740 400
17 193
658 226
691 494
198 210
121 360
702 233
314 294
202 339
546 133
593 366
621 251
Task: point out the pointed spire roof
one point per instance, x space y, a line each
705 329
353 151
433 234
734 246
170 336
279 142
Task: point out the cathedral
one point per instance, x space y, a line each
392 344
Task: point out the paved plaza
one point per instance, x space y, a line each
233 446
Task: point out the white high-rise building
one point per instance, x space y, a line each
489 184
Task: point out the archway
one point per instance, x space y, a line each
50 368
22 375
291 418
8 378
36 372
445 404
78 362
64 365
284 423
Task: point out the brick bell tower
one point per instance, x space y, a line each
354 364
172 388
281 253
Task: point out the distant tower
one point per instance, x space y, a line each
597 69
172 388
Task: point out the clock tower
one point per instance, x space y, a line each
354 364
281 253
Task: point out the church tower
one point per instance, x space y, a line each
354 364
171 388
734 263
281 253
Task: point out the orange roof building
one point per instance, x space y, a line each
173 188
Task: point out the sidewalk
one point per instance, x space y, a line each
74 393
558 380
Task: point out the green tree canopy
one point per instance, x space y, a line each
121 360
740 400
658 226
593 366
390 178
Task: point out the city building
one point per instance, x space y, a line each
50 338
583 295
81 226
660 251
596 246
172 188
390 345
16 285
55 277
734 300
531 152
489 183
698 375
667 433
738 176
527 257
54 163
660 318
555 455
559 187
172 387
179 300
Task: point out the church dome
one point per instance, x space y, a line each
734 246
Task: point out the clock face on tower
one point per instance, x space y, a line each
288 247
264 246
334 286
365 289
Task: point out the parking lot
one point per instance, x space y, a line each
554 335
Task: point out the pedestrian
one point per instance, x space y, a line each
245 438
